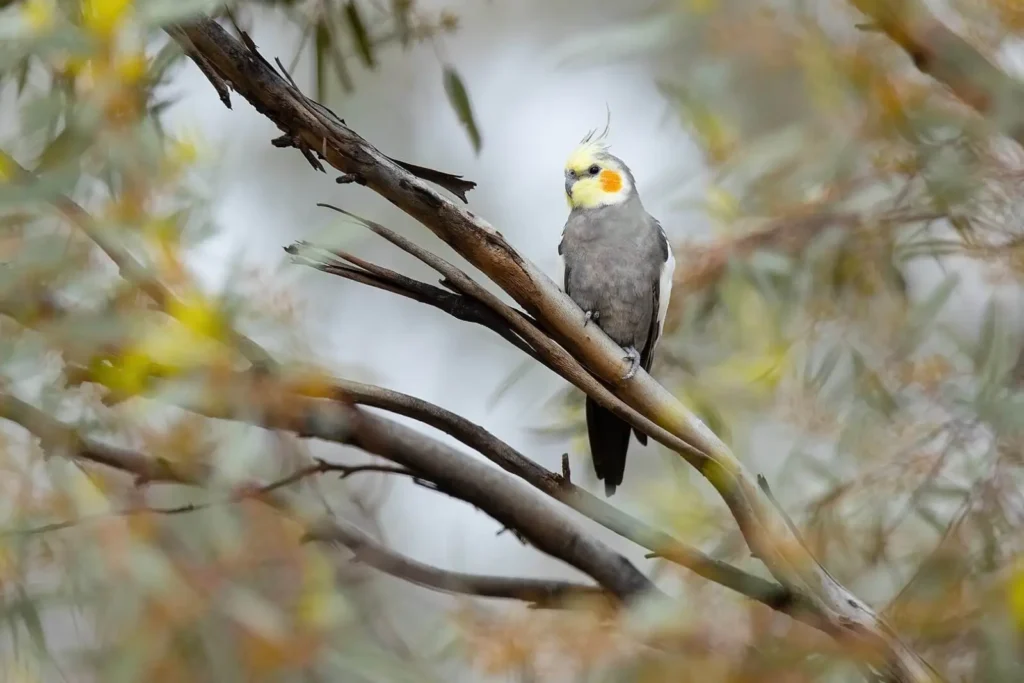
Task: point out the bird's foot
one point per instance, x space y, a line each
633 356
590 315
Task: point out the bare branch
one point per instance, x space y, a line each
502 497
455 304
541 592
550 352
383 435
245 493
582 501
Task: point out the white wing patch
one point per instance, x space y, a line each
665 288
561 262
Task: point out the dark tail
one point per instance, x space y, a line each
609 441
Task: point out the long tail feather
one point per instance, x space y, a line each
609 441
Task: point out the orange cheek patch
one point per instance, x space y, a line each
610 181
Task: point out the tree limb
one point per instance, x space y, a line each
580 500
502 497
61 439
455 304
541 592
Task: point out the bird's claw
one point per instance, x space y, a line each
633 356
590 315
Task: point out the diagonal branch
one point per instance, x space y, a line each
500 496
580 500
547 349
61 439
455 304
541 592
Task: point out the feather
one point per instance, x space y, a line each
609 441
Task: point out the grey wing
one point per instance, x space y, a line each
654 331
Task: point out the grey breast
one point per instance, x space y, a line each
613 258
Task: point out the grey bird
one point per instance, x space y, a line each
618 269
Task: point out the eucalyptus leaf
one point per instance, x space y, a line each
458 98
364 46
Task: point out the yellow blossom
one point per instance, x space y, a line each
132 68
1016 595
198 315
6 168
104 17
38 14
722 207
316 604
701 6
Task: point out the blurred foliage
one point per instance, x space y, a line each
103 577
882 401
856 363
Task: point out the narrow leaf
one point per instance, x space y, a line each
363 43
459 99
321 45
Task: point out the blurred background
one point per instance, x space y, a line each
845 316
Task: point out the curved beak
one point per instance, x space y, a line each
569 182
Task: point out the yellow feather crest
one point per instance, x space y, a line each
591 147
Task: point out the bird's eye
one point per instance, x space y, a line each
594 169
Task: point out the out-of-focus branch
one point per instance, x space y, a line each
705 265
764 527
60 439
260 401
951 60
541 592
454 304
580 500
320 467
942 54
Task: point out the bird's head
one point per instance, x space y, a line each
594 177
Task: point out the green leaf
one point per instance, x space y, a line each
363 43
459 99
321 44
65 148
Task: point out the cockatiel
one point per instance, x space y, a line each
618 269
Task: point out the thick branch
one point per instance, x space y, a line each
580 500
504 498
